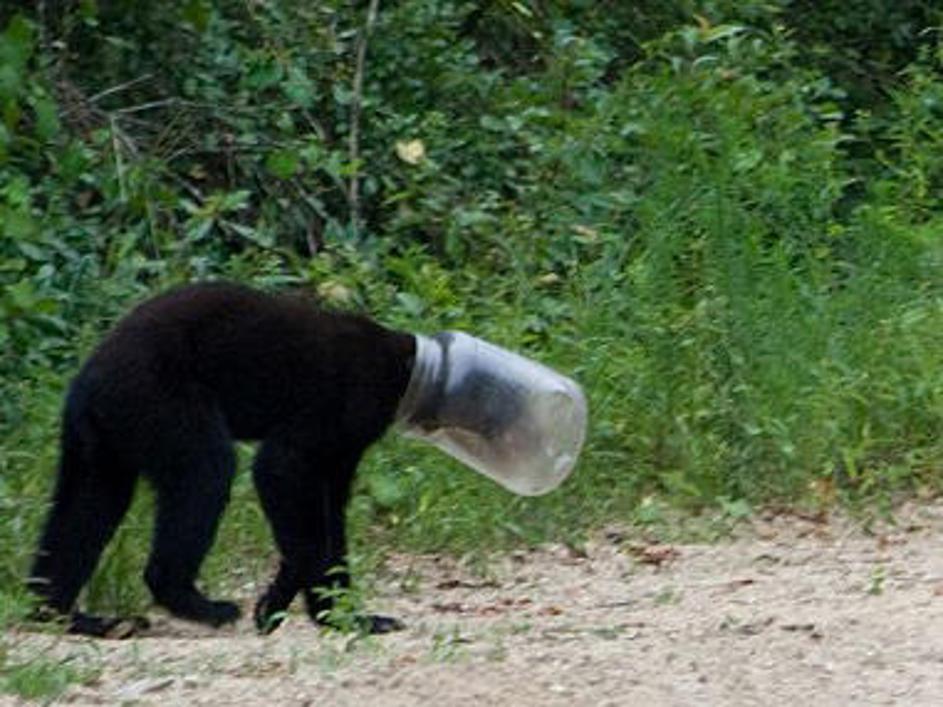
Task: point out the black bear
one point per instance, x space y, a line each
166 394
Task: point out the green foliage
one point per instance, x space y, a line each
41 678
715 215
29 671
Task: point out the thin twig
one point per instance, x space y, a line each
163 103
43 29
119 162
219 151
120 87
88 104
190 188
315 125
124 139
356 104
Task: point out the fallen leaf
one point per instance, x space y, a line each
735 584
654 554
490 610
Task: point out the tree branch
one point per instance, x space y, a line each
356 104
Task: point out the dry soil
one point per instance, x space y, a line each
787 610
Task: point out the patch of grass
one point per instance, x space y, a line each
448 646
877 580
45 679
668 595
29 671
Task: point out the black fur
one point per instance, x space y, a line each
165 395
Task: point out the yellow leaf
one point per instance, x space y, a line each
411 151
335 293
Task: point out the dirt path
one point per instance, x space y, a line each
792 610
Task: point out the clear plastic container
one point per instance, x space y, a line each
509 418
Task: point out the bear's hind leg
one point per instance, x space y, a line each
91 497
192 476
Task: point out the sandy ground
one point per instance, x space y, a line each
786 611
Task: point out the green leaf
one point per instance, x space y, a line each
489 122
31 251
198 230
16 192
298 88
16 43
17 225
251 234
9 88
14 265
234 200
263 73
88 9
411 304
4 142
522 9
386 491
720 32
47 118
197 14
22 295
283 163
